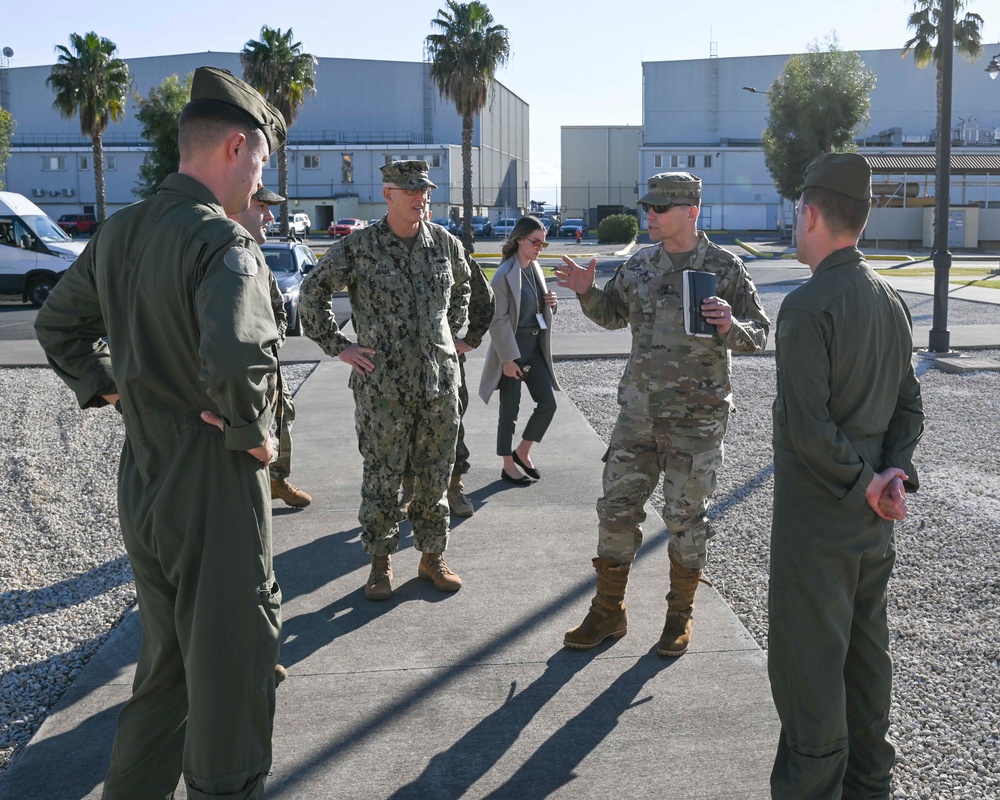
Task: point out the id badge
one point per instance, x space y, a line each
541 321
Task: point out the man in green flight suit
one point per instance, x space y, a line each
255 220
180 292
847 419
675 398
408 282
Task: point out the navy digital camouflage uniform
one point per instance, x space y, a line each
408 306
675 397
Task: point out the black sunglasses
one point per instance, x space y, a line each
647 207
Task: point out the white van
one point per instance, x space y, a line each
34 251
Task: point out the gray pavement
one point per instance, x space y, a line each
467 695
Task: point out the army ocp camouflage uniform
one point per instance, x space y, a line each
675 396
408 306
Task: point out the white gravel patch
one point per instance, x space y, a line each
65 578
944 597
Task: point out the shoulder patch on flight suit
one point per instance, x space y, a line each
240 260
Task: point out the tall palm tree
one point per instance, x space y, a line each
277 68
465 55
927 46
91 82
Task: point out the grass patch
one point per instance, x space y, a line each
986 277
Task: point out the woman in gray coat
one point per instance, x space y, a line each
520 349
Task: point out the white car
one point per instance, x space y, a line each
503 227
299 225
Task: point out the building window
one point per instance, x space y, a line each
110 163
434 161
675 161
657 161
690 162
347 168
83 163
53 163
706 162
310 162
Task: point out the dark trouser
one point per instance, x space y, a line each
196 523
539 382
828 643
387 429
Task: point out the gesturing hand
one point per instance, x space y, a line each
572 276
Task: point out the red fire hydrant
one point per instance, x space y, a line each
579 235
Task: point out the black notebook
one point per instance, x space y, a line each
697 287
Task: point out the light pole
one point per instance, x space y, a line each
939 340
994 68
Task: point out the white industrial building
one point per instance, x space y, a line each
363 114
699 116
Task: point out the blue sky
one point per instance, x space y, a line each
575 63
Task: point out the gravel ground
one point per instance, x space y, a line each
65 578
944 598
66 581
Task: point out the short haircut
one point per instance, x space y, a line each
521 229
842 214
205 122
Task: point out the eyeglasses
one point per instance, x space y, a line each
411 192
647 207
537 243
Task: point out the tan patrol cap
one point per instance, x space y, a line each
267 196
408 174
213 83
672 187
844 173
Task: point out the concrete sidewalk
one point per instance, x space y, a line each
468 695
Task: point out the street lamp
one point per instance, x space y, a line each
754 90
994 68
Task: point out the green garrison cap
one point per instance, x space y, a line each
845 173
212 83
408 174
672 187
267 196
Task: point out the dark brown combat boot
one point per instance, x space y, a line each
461 506
379 586
292 495
432 568
676 634
607 615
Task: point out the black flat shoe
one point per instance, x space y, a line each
522 481
531 472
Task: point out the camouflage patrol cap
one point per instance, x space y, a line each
844 173
672 187
267 196
212 83
408 174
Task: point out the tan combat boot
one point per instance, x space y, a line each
293 496
406 494
607 615
432 568
461 506
379 586
676 634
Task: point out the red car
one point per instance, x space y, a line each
77 223
345 227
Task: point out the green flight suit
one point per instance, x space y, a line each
409 306
675 397
848 405
181 293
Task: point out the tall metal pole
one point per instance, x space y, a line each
940 336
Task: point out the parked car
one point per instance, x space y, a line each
289 262
570 227
345 226
551 224
448 224
481 226
77 223
503 227
298 225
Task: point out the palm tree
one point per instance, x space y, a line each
465 55
926 43
278 69
92 82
